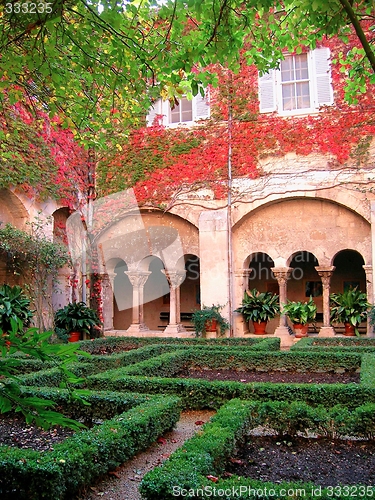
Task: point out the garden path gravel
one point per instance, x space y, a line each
122 484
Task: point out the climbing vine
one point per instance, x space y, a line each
38 156
37 259
158 162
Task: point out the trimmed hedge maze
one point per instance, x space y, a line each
132 422
203 457
141 386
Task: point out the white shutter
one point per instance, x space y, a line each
322 67
201 108
267 92
155 110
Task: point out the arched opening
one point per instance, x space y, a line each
156 293
122 297
304 281
349 272
261 276
60 217
190 288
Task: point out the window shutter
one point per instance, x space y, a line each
322 66
201 108
267 92
153 111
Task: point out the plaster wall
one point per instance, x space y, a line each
318 226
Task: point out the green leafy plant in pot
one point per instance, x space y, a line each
209 319
301 314
76 319
259 307
14 305
349 307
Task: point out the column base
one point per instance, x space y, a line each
286 340
177 328
326 331
137 327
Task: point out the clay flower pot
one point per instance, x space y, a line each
300 330
74 337
260 327
349 330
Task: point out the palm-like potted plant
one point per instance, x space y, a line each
259 307
301 314
76 319
349 307
14 305
208 320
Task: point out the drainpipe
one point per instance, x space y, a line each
89 220
229 218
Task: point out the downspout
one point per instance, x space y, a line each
229 216
86 253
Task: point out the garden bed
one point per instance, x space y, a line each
323 462
208 460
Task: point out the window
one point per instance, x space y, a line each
295 86
182 112
301 85
187 112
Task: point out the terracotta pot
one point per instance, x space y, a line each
260 328
211 326
300 330
349 330
74 337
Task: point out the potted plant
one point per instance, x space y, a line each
259 307
300 314
14 305
76 319
350 308
208 319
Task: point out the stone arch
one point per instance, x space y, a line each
12 210
60 216
354 201
283 227
304 280
137 236
349 270
260 272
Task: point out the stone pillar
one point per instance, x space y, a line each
325 274
108 280
241 284
282 274
370 296
138 280
175 278
214 259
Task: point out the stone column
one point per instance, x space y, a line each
282 274
325 274
108 280
175 278
370 296
241 283
138 280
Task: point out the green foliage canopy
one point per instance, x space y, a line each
103 61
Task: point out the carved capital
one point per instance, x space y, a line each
325 274
282 274
175 278
138 278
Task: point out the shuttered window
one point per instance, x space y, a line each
187 111
182 112
301 85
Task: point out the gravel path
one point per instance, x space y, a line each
122 484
